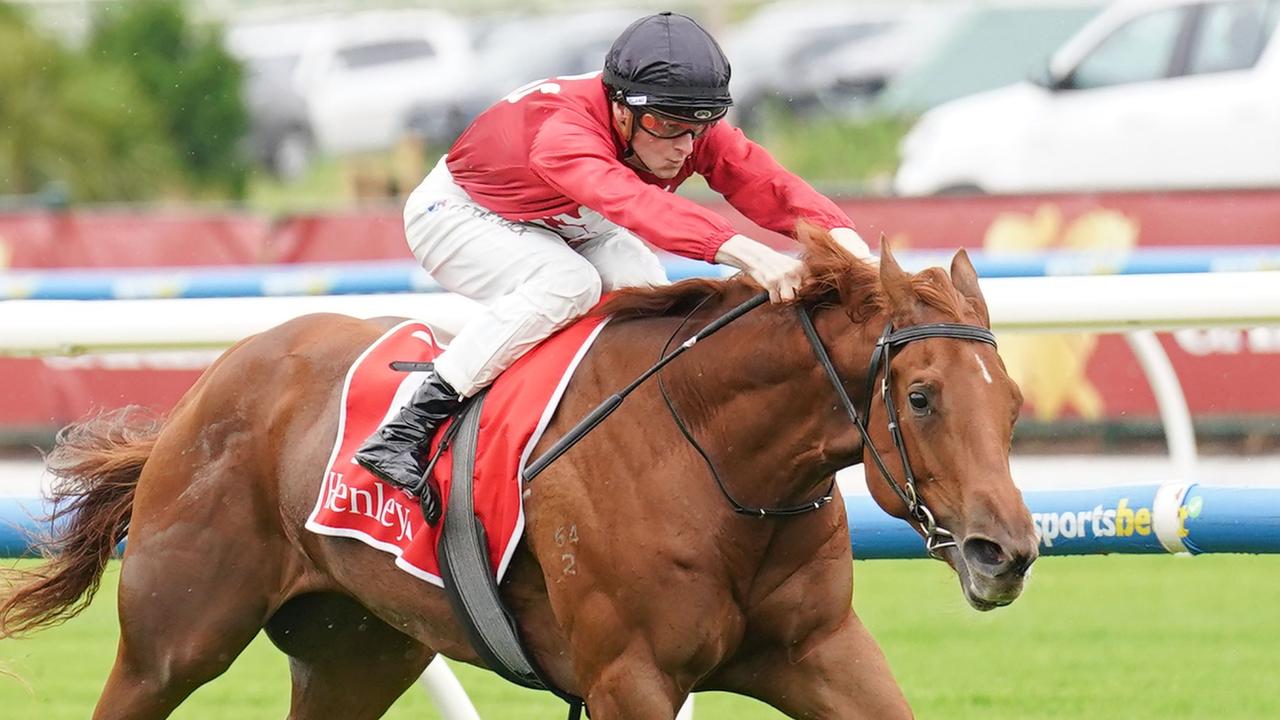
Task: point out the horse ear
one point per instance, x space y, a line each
897 285
965 278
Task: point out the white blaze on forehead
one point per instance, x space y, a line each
985 375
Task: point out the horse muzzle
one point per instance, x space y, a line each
991 574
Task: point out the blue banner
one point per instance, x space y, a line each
398 276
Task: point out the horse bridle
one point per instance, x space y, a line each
935 537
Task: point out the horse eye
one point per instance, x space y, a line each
919 401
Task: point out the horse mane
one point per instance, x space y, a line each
836 278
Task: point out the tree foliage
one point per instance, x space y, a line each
193 83
65 120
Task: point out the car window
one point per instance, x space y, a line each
1140 50
278 69
382 53
1231 36
823 40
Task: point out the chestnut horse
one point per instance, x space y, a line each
637 582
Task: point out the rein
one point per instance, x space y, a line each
936 537
738 507
611 403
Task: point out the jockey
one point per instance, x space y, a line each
543 202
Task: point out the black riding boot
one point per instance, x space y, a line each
397 451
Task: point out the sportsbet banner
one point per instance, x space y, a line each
1227 374
1135 519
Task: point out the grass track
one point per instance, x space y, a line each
1102 637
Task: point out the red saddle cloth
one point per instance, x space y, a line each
354 503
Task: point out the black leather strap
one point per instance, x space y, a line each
468 581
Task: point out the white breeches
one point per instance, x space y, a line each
529 279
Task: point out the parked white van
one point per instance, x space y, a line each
344 82
364 74
1150 94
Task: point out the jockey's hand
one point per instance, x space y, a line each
780 274
849 239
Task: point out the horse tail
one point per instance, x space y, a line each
95 465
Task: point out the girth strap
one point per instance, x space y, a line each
468 582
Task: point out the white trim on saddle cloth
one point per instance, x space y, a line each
312 524
543 422
389 499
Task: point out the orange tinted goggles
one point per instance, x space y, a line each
669 129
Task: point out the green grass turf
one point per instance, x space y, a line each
1101 637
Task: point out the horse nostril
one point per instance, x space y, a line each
1021 564
987 555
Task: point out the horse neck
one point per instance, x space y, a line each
764 409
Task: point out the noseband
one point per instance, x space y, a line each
935 537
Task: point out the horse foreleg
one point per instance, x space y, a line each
631 687
835 675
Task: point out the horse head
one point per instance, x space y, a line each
936 435
956 407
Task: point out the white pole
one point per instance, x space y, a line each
1095 303
454 704
74 327
1119 303
1179 432
447 693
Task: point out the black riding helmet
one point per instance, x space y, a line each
668 64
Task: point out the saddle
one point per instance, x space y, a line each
478 462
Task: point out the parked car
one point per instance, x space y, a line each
514 52
365 72
342 83
769 50
279 135
1154 94
849 78
987 46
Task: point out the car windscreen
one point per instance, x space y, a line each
383 53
